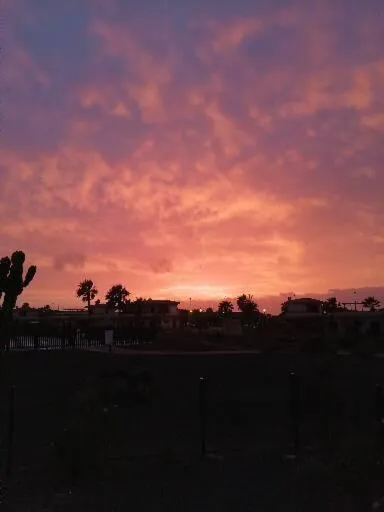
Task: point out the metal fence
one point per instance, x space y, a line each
55 339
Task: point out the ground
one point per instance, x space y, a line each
146 451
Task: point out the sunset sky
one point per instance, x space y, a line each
194 148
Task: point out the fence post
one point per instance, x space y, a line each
379 403
11 429
203 414
108 339
36 341
294 412
8 340
5 334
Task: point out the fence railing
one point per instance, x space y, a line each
60 341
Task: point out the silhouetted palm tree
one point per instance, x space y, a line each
225 308
87 292
117 297
372 303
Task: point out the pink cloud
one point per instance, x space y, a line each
239 154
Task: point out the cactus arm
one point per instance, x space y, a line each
5 265
29 275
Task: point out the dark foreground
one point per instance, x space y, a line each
144 454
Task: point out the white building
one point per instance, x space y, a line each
303 307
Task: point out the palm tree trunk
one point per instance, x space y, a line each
89 304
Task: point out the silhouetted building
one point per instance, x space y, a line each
149 313
303 306
232 327
356 323
102 309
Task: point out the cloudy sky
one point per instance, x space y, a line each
191 148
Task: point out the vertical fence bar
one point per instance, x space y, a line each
203 414
11 429
7 335
379 410
294 412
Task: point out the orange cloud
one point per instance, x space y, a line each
242 154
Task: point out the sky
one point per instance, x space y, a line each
194 148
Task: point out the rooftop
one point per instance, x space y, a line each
306 299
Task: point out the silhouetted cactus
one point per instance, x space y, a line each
12 282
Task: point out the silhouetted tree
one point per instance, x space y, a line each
247 306
372 303
45 309
25 307
197 318
203 319
225 308
117 297
139 304
138 308
284 305
87 292
331 305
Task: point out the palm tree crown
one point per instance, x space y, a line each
225 308
87 292
372 303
